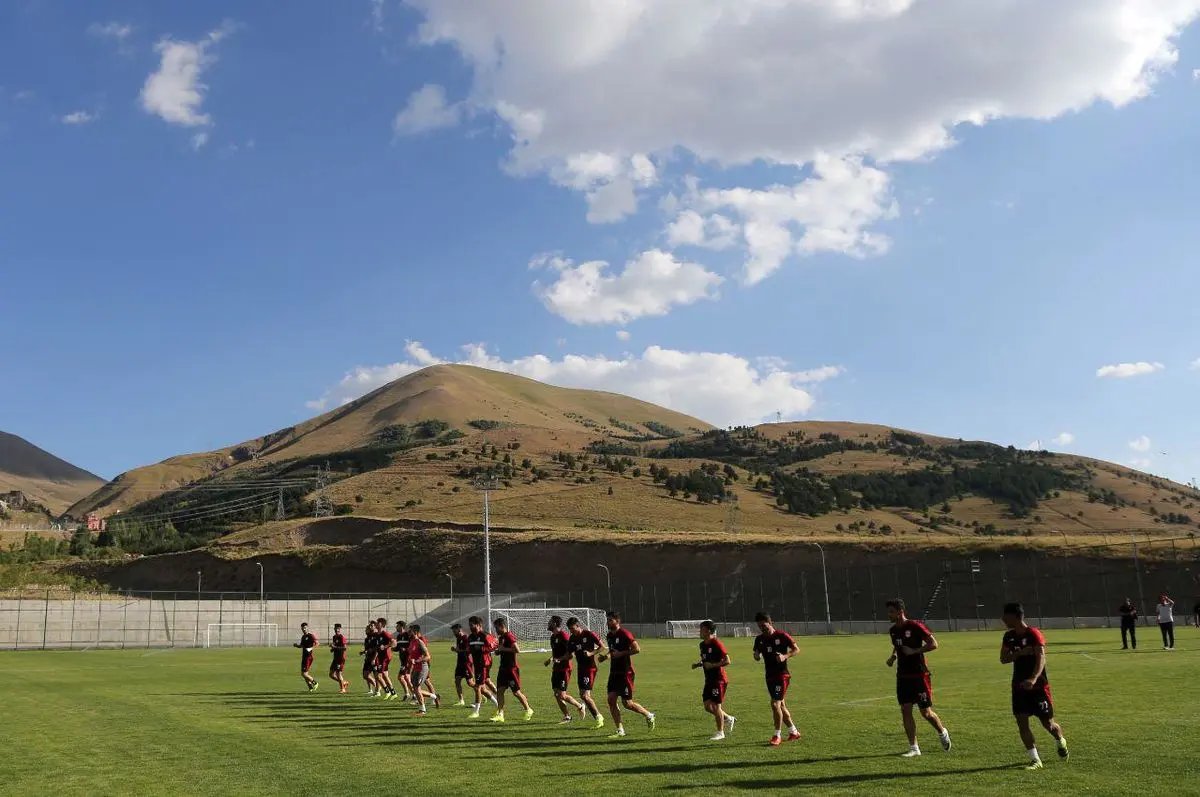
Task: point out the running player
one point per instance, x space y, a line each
462 662
509 675
1024 648
307 642
586 645
337 645
403 641
774 648
621 647
368 653
560 676
713 660
481 644
419 661
383 659
910 642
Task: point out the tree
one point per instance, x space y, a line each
81 542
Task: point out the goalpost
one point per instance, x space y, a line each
529 625
690 629
241 635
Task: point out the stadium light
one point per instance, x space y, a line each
608 578
262 606
447 575
825 578
487 484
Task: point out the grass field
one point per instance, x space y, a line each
240 722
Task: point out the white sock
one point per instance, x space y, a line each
945 732
793 729
1062 741
778 734
1033 754
916 748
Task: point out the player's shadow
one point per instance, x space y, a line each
866 777
656 769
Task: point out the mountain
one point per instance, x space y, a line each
41 476
594 465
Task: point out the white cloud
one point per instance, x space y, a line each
1196 74
426 110
1063 439
78 118
1128 370
198 141
24 94
1140 464
1141 444
377 15
783 81
723 389
608 183
623 334
116 31
174 91
831 211
711 231
1195 364
649 285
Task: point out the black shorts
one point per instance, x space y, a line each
368 667
463 670
916 690
560 680
777 687
621 683
481 671
338 664
1035 702
509 678
585 680
714 692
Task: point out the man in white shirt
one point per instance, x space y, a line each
1166 620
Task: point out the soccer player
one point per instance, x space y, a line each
403 641
509 675
713 660
383 659
560 676
481 645
911 640
368 653
462 663
1024 648
586 645
337 645
774 648
1166 620
307 642
1129 615
621 647
419 660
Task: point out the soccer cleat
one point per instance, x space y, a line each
599 722
1034 765
497 718
729 723
422 713
650 721
1063 752
528 714
566 720
717 737
620 734
911 754
474 714
945 739
794 736
437 702
775 741
460 704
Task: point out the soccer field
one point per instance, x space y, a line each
240 722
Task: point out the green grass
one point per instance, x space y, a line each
239 722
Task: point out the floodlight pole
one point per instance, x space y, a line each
262 604
447 575
825 578
608 578
487 484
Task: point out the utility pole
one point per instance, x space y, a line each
280 512
322 506
486 483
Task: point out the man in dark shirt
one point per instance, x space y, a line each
622 646
1024 648
307 642
480 644
368 653
586 645
383 659
560 675
508 677
1129 616
462 661
910 642
713 660
337 665
773 648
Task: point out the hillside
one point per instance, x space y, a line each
588 465
41 476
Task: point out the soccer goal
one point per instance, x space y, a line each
241 635
529 625
690 629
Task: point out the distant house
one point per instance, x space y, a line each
15 499
95 522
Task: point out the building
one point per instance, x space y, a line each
95 522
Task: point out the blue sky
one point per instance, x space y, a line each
217 218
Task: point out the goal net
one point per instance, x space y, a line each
690 629
241 635
530 625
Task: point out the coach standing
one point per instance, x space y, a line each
1128 624
1166 620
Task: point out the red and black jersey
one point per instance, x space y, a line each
1025 666
582 646
418 649
383 641
770 647
480 646
713 652
560 648
308 641
461 651
338 646
910 634
369 647
508 661
403 640
621 641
